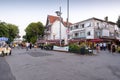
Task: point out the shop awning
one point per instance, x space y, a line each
77 40
96 40
41 41
48 41
118 38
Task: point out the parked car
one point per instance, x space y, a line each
5 49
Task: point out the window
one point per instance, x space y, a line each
70 28
88 24
88 33
76 26
98 34
76 34
98 24
112 34
83 25
82 34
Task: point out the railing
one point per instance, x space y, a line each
82 37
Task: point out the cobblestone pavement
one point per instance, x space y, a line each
37 64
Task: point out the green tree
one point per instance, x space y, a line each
34 31
118 22
13 31
3 29
8 30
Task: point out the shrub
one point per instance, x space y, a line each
82 45
74 48
81 49
118 49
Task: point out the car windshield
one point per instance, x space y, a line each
2 43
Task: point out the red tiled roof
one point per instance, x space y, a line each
65 24
52 19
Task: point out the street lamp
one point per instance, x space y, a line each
67 20
59 14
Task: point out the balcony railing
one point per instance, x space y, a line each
82 37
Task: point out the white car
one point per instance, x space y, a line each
6 50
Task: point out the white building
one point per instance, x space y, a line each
94 28
52 31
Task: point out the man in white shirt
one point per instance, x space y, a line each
27 46
101 46
104 46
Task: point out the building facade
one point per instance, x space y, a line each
55 28
94 28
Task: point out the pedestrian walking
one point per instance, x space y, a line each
109 47
35 46
113 48
30 45
101 46
97 47
104 46
27 46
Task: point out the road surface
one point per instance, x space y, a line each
37 64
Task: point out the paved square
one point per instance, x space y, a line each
38 54
63 66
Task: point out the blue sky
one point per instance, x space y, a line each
23 12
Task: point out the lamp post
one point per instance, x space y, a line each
59 14
67 20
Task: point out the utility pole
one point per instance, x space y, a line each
67 20
59 14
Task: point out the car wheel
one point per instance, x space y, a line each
10 53
2 54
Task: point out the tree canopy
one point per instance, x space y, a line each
34 31
3 30
8 30
118 22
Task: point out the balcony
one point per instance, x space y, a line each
79 37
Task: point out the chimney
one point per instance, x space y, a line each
106 18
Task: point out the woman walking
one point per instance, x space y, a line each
113 48
97 48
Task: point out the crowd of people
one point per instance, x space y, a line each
99 46
103 46
24 45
